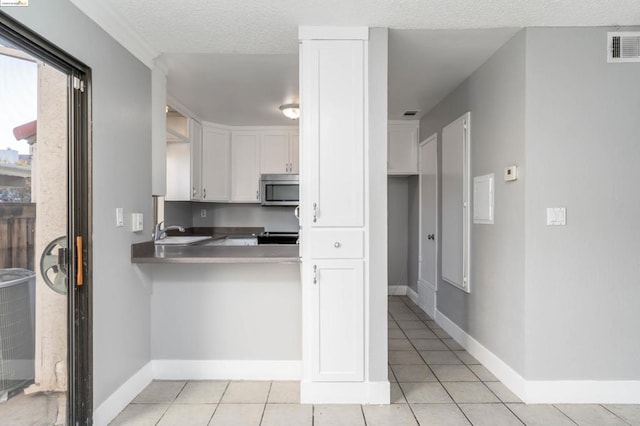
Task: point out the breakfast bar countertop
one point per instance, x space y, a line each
205 252
148 252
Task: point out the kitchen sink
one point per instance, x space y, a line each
180 240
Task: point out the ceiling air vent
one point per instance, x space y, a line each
623 47
411 113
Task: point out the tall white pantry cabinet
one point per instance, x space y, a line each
335 201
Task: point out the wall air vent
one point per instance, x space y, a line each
623 47
411 113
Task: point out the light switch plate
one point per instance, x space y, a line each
137 222
119 217
556 216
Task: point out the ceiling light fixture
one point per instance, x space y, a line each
291 111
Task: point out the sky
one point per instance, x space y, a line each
18 99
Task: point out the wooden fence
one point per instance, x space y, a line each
17 235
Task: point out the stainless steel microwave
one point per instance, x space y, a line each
280 190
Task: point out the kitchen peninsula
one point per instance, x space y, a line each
224 311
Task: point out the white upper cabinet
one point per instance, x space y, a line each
279 152
178 182
219 163
402 154
245 167
294 153
216 164
336 134
196 161
183 134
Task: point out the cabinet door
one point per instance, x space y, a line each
294 153
334 131
402 149
274 152
245 167
216 160
337 321
178 171
196 160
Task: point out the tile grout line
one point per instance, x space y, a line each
215 410
441 385
264 408
603 406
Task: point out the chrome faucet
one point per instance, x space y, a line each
160 232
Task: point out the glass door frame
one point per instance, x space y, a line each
79 213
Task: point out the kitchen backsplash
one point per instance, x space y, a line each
231 215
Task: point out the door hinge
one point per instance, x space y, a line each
78 84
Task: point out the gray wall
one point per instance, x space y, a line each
178 213
493 313
121 101
398 230
583 318
226 312
220 214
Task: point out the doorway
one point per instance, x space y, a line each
428 224
45 285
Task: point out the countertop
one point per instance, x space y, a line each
148 252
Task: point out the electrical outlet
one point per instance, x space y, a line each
203 213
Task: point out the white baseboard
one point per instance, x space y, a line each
411 293
118 400
165 369
345 393
544 391
583 392
397 290
508 376
428 299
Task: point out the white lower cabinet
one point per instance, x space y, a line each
337 320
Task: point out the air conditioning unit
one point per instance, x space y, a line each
623 46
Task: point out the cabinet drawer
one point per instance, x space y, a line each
337 244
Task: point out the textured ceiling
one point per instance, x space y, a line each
426 65
270 26
235 61
234 89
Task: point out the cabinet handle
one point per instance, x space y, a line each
204 192
194 192
315 274
258 195
315 212
336 244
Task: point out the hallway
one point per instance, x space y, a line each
434 381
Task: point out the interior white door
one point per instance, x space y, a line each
428 188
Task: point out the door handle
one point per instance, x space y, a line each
80 275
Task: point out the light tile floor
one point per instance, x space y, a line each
434 382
